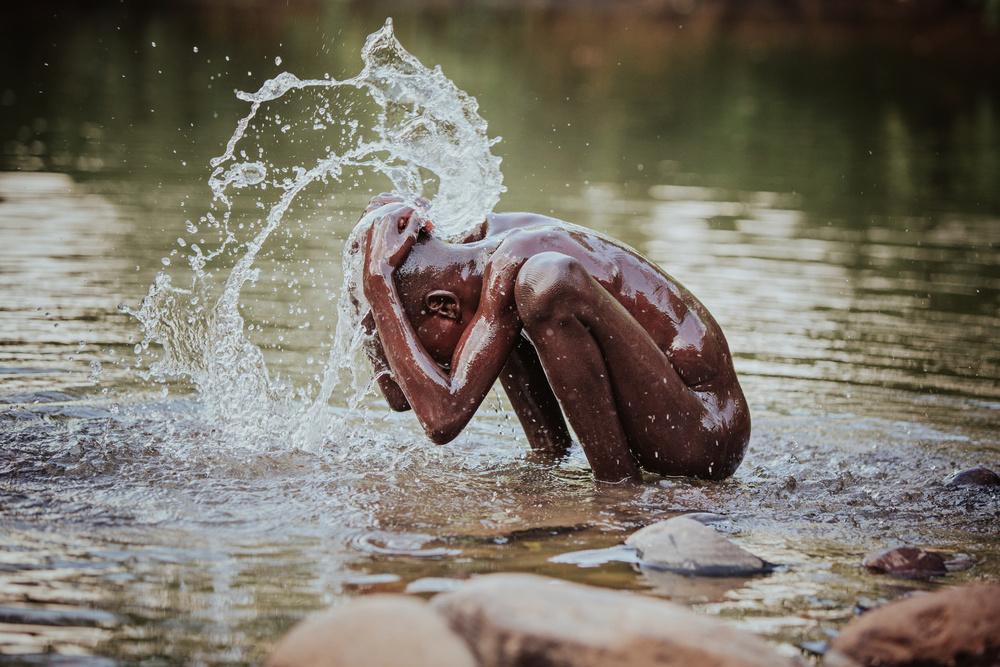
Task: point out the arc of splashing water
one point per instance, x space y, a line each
391 76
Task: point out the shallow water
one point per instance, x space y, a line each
863 319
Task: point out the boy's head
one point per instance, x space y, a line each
439 290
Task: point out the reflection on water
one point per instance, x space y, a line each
843 235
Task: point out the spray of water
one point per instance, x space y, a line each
417 130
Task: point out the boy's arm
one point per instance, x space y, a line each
383 374
444 403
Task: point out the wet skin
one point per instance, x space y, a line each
572 323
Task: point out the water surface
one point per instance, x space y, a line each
842 229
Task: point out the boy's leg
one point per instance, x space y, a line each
529 393
619 391
579 377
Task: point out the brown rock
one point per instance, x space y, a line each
973 477
958 626
910 562
376 631
524 619
687 546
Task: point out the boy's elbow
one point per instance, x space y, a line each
445 430
443 435
393 394
397 403
443 425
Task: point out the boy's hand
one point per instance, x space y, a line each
373 346
381 200
392 234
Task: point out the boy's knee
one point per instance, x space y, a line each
547 286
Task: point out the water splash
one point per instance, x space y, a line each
412 128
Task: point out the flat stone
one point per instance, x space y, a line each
689 547
524 619
377 631
977 476
909 562
958 626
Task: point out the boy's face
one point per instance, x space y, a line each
438 316
438 334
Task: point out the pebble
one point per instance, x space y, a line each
977 476
909 562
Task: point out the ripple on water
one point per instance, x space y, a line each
106 512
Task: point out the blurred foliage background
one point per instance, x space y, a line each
888 104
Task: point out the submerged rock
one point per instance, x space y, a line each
909 562
378 631
687 546
977 476
525 619
959 626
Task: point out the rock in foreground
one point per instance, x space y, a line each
958 626
377 631
689 547
522 619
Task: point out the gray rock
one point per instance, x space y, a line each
377 631
526 620
909 562
958 626
689 547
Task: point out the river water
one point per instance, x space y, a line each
833 202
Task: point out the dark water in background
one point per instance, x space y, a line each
832 193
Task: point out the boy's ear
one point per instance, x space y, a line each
444 303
